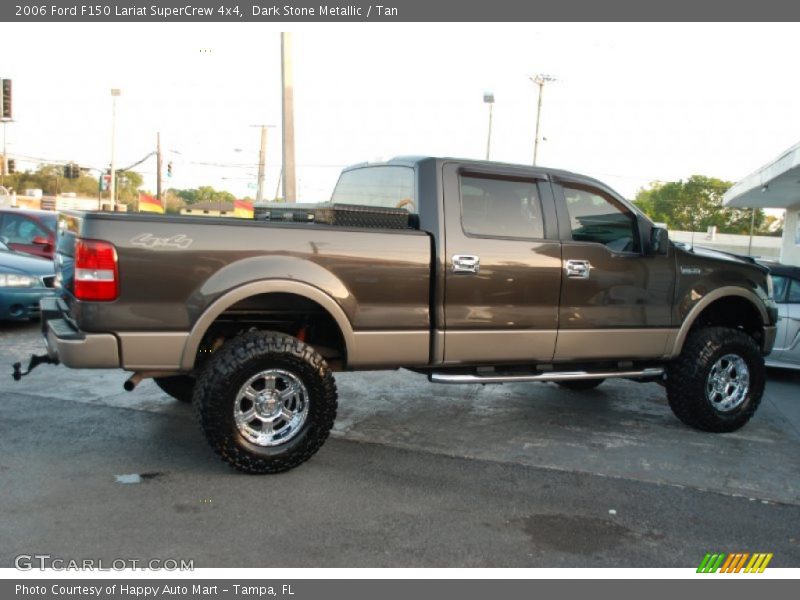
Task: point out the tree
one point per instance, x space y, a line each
696 205
173 202
128 184
204 193
50 179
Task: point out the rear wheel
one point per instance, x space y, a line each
266 402
580 384
179 387
717 382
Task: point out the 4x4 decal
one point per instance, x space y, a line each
148 240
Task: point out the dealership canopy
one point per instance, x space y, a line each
775 185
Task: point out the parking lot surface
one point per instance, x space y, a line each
416 474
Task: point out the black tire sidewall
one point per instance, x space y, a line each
688 377
745 351
231 367
227 399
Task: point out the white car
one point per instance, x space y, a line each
786 285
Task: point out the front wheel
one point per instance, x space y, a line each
266 402
717 382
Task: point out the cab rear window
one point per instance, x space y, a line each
380 186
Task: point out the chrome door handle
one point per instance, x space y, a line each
578 269
466 263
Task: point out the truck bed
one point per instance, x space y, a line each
379 277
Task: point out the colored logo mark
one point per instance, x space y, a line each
735 563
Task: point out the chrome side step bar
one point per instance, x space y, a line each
649 373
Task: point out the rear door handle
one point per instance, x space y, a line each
578 269
466 263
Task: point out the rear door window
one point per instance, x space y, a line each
505 208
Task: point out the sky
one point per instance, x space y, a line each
631 104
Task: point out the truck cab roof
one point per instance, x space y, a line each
412 160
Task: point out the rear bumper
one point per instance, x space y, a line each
72 347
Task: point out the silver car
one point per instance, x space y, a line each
786 285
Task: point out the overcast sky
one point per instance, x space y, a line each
633 103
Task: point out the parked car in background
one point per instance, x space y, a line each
786 286
30 231
24 280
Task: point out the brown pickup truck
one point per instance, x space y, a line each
467 271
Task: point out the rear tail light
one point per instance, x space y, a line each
96 273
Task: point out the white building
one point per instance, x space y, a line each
775 185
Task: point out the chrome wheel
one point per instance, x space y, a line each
271 407
728 383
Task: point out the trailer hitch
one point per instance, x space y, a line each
35 361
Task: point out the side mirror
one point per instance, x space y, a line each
40 240
659 240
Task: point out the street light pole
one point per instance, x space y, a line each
159 194
539 80
112 186
488 98
287 85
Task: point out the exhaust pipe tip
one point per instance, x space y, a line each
135 379
131 383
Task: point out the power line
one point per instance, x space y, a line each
138 162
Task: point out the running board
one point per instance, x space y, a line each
554 376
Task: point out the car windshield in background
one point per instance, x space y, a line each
380 186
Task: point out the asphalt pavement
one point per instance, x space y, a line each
416 474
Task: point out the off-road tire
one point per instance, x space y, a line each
687 377
179 387
579 385
227 371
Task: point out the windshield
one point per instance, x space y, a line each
384 186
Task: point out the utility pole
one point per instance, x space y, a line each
539 80
6 116
752 226
112 185
289 190
158 169
5 156
262 162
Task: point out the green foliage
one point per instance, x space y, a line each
128 184
696 205
50 179
204 193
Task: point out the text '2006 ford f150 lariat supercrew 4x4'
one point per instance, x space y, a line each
467 271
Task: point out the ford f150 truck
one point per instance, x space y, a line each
496 273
